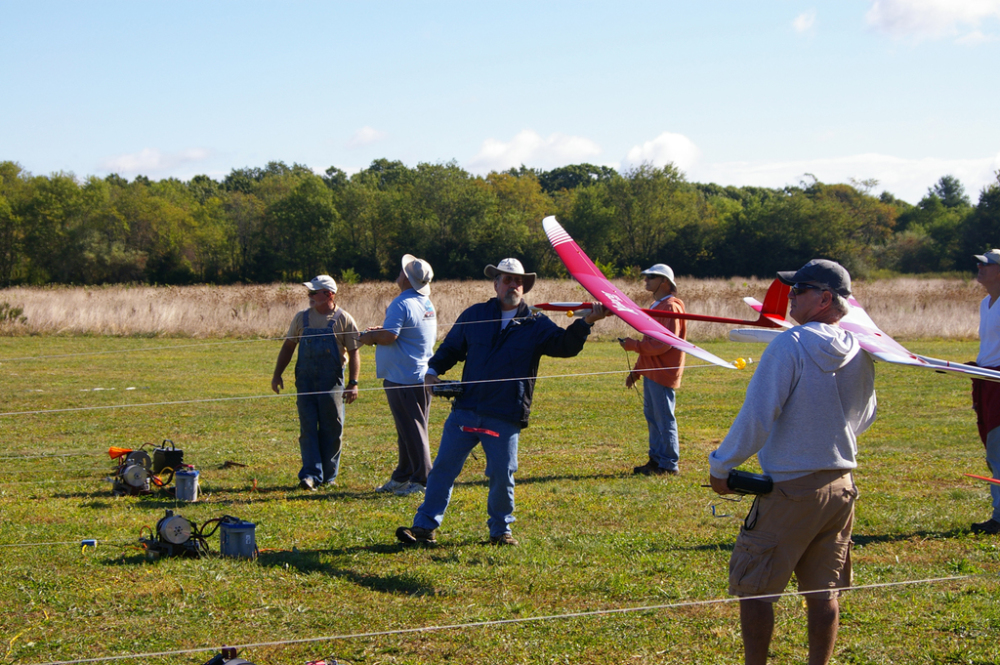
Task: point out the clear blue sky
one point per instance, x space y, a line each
733 92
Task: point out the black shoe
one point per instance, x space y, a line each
654 469
647 469
990 526
415 534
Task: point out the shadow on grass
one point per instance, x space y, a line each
309 561
530 480
863 540
245 494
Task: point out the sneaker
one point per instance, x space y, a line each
415 534
410 488
391 486
990 526
505 539
307 483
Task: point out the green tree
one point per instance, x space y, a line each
573 176
301 227
951 192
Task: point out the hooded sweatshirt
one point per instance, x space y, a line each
811 395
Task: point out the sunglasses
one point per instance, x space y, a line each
799 288
316 293
511 279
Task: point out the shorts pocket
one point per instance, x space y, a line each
751 563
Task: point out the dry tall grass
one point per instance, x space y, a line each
905 307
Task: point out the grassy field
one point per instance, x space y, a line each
593 537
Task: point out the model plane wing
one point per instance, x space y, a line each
880 346
594 281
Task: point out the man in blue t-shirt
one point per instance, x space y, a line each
405 342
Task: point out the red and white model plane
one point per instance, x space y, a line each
592 279
769 323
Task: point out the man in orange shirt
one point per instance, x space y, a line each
660 367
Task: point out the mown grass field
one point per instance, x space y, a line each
592 536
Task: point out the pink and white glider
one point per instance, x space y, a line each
878 344
592 279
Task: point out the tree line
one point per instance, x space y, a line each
286 223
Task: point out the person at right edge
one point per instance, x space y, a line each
811 395
660 366
986 394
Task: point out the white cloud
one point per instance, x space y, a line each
366 136
805 22
150 161
907 179
664 149
933 19
532 150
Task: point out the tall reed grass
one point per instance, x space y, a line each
904 307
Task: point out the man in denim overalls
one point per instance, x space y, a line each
329 339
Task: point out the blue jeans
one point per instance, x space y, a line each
993 461
457 442
321 426
658 407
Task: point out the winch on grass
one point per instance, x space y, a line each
176 536
137 473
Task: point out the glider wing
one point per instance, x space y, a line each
592 279
882 347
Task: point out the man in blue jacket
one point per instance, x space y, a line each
501 342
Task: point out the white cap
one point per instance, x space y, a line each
992 256
321 283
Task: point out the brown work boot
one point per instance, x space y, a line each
505 539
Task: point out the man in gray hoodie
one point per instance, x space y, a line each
811 395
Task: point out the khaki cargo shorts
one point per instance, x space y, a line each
804 527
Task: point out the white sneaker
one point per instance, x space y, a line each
410 488
391 486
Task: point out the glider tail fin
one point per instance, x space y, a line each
775 302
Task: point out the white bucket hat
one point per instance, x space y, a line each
511 267
321 283
661 270
419 272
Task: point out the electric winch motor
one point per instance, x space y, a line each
133 475
177 536
136 473
174 536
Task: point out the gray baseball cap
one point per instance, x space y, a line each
823 272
